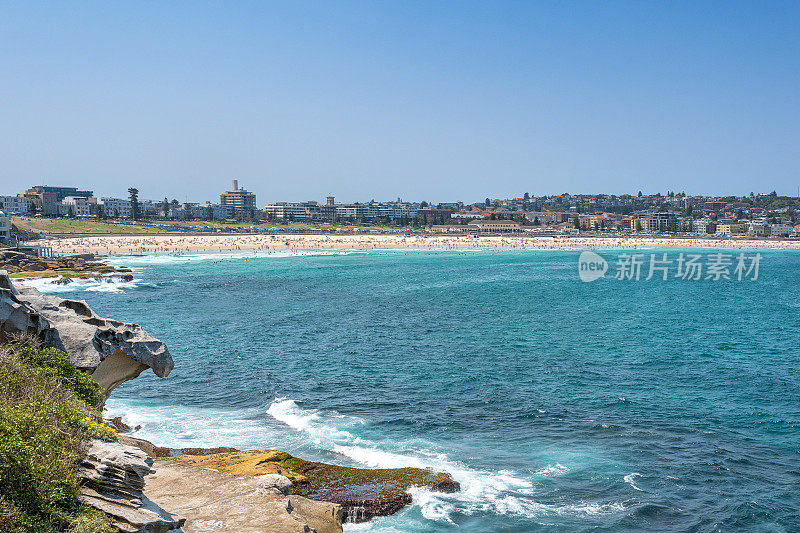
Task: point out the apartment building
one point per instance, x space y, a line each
14 205
242 202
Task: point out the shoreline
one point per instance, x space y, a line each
218 243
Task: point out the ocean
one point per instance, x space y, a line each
559 405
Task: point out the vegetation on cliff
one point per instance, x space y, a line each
48 411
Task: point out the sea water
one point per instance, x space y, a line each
559 405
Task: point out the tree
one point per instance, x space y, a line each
488 203
640 194
536 221
32 207
638 226
165 208
133 193
423 204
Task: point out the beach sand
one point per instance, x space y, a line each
198 243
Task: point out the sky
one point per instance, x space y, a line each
438 100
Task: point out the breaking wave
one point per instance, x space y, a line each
100 284
156 258
502 492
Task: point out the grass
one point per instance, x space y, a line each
44 226
77 227
48 411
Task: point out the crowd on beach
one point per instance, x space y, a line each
199 243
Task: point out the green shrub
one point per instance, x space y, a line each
55 364
44 403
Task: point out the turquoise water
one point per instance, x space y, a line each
559 405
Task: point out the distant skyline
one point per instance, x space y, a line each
436 101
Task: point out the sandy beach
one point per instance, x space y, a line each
198 243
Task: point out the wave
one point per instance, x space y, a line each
156 258
100 284
482 491
183 426
552 470
629 480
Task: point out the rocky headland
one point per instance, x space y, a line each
66 268
148 488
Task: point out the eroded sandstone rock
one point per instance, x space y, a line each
363 493
112 352
112 480
221 502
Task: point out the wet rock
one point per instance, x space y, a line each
363 493
119 425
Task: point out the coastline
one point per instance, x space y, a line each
141 486
218 243
490 484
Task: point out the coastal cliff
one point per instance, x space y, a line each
110 351
147 488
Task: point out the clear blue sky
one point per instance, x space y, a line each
437 100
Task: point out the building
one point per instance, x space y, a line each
330 211
294 211
5 227
115 207
731 228
494 226
14 205
758 228
433 215
76 206
241 201
704 226
781 230
47 198
221 212
452 228
659 222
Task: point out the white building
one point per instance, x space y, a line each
77 206
780 230
116 207
294 211
701 226
14 205
5 227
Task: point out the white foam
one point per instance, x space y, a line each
629 480
322 434
101 284
180 426
482 491
552 470
156 258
